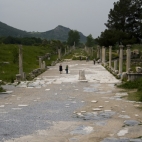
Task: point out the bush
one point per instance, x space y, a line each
137 84
1 89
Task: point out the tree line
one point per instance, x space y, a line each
124 25
73 38
23 41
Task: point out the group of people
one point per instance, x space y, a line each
66 69
98 61
61 69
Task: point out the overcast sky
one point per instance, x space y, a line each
86 16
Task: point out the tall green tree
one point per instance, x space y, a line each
90 41
73 36
126 17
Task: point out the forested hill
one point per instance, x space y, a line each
59 33
6 30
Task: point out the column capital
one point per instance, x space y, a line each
121 46
110 46
128 46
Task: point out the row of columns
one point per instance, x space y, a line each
101 53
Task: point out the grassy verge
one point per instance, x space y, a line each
9 59
137 84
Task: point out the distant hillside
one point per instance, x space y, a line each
59 33
6 30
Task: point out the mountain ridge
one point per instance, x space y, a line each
58 33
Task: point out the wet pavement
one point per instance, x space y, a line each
58 107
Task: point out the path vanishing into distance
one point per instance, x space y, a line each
58 107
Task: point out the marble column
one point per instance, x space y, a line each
59 53
21 61
98 52
103 54
115 64
110 49
74 45
120 59
40 63
43 65
128 62
92 51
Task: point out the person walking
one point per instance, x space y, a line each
66 69
94 61
60 68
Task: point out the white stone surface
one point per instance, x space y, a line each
96 109
122 132
94 101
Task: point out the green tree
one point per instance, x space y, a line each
90 41
113 37
73 36
126 18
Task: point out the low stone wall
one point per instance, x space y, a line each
134 76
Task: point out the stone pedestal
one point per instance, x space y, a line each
110 49
120 59
82 75
18 77
134 76
128 62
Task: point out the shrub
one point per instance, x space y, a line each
137 84
1 89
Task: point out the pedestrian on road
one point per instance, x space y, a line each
94 61
66 69
60 68
80 58
99 61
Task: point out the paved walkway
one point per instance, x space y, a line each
58 108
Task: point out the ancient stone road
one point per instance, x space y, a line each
58 108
